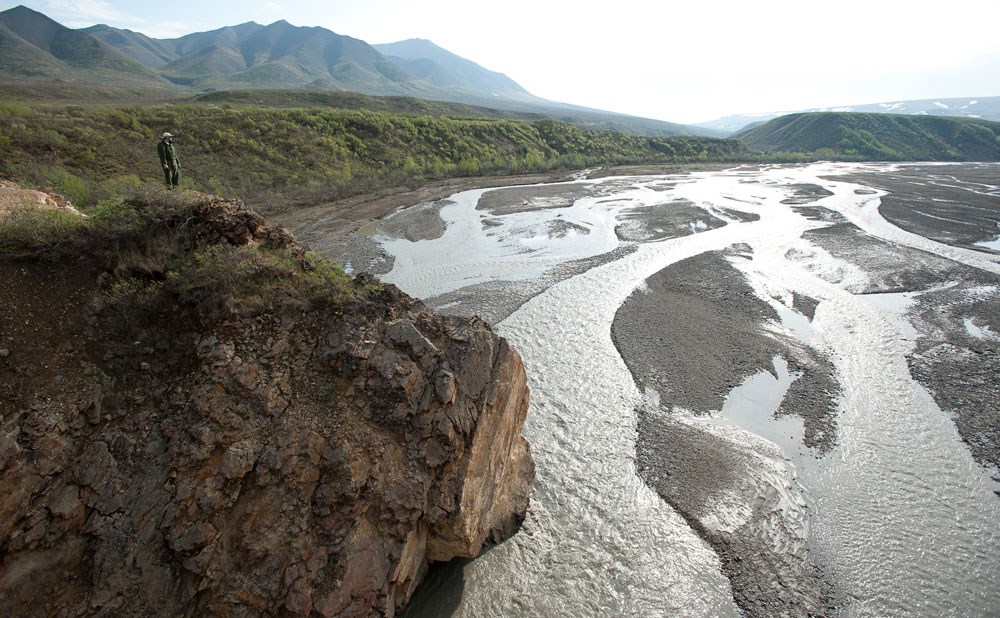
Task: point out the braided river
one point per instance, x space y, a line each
878 501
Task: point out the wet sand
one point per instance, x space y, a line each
710 334
957 205
417 217
957 357
344 231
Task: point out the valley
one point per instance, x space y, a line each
759 369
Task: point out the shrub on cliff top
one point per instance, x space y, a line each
182 249
226 280
28 231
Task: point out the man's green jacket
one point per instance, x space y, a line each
167 154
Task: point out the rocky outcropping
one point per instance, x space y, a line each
289 460
13 196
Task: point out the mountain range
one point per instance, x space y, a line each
32 45
41 58
37 52
985 108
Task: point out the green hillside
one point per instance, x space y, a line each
20 58
879 137
141 48
53 44
210 61
356 101
269 156
42 60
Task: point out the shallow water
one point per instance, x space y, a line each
479 246
752 404
899 515
991 244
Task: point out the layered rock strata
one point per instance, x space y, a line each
291 461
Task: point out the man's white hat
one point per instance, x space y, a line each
166 135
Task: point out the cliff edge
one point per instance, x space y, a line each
200 417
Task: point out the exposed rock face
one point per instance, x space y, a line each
12 196
286 463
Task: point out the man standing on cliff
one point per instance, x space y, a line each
168 159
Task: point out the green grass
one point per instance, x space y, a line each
411 106
878 137
157 250
107 230
249 280
270 156
29 232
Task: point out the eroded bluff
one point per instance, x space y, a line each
280 461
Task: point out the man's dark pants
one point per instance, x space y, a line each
171 174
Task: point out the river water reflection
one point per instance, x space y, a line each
902 520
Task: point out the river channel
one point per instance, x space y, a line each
876 505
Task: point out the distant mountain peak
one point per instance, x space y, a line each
21 9
51 48
279 56
28 22
418 41
245 26
437 65
415 49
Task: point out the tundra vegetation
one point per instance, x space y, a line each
144 244
850 136
302 155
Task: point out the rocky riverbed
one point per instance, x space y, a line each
783 376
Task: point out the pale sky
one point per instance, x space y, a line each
678 61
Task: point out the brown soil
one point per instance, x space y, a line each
40 315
